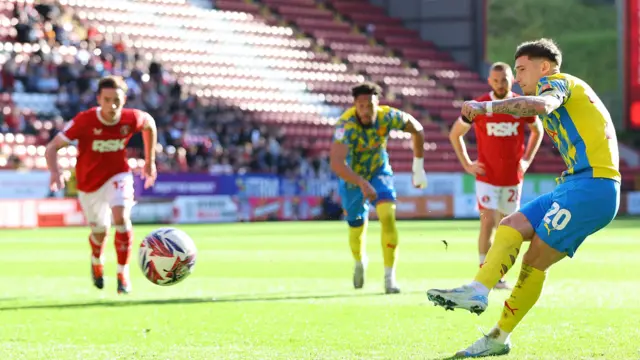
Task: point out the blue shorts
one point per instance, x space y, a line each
355 206
574 210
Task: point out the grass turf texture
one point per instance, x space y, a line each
283 291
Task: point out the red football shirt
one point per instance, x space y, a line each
102 147
500 140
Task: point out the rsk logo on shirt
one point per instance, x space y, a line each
502 129
102 146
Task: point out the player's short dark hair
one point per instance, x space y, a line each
112 82
540 49
366 88
500 66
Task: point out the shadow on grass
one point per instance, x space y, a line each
123 302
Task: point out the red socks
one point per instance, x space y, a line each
123 241
96 247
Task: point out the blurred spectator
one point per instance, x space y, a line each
193 134
331 208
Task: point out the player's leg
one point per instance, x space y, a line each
488 197
356 216
121 202
508 203
386 209
578 209
523 297
501 256
96 212
489 220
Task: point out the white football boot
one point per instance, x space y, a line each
487 345
358 273
390 285
464 297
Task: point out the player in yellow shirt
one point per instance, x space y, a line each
586 199
359 157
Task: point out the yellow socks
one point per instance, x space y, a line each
387 215
357 241
524 296
501 256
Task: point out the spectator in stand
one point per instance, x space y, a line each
331 209
200 135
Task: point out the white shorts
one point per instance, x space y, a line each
505 199
118 191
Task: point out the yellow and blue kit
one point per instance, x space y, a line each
588 195
368 157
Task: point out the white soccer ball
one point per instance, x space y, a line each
167 256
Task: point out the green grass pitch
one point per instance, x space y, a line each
283 291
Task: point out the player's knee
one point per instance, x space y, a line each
488 219
387 221
520 223
387 215
540 255
355 223
122 224
99 234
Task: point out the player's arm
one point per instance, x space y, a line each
337 160
62 139
459 129
535 139
149 138
400 120
150 141
51 154
413 127
338 157
552 93
543 104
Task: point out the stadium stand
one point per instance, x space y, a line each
279 68
197 134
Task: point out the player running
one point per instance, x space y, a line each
104 180
502 158
586 199
359 157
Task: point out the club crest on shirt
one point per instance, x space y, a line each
125 129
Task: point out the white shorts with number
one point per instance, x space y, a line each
118 191
505 199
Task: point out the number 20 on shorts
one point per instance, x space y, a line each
557 218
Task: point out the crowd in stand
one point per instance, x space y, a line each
193 136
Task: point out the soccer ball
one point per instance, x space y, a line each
167 256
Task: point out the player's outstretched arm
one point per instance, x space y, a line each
150 140
56 181
518 106
413 127
525 105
